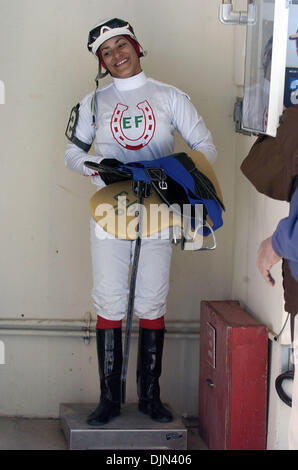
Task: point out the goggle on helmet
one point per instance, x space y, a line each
108 29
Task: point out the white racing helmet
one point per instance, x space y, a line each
108 29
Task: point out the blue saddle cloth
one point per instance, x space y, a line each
177 171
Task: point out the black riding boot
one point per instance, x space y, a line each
148 373
109 352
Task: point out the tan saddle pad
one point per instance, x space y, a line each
115 207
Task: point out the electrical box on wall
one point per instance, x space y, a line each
271 61
232 378
291 75
265 63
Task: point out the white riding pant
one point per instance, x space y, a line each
111 259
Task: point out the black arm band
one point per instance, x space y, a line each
71 127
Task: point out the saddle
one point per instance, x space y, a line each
183 198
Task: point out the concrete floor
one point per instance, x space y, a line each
46 434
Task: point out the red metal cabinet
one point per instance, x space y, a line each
232 377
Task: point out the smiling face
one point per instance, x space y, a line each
120 57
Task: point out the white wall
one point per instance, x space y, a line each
47 69
46 266
45 261
255 218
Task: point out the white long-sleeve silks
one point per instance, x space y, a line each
135 120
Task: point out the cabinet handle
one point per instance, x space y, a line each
210 383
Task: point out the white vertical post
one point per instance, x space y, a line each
2 353
2 92
277 78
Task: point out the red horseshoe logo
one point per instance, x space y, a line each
149 127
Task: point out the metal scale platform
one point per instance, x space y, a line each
131 430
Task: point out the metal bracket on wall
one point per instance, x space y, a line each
227 15
86 329
238 117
